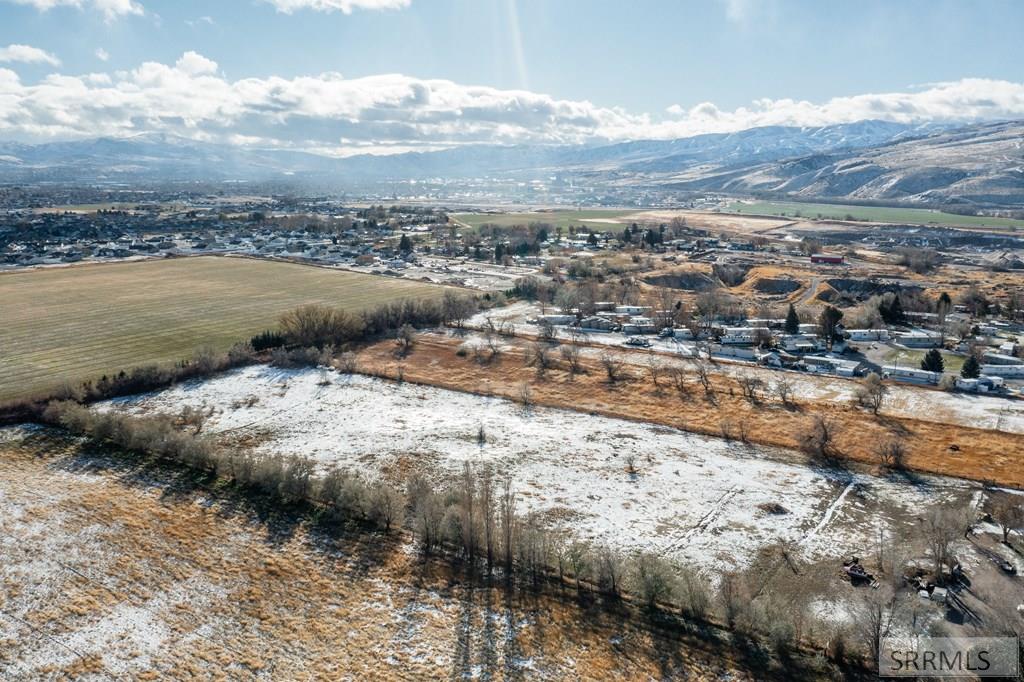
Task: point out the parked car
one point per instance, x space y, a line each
667 332
637 341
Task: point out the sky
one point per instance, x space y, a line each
348 76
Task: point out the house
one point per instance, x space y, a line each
917 376
808 328
1009 348
556 319
776 358
595 323
744 335
734 352
827 259
868 334
639 325
919 338
801 343
1003 370
829 364
983 384
990 358
630 309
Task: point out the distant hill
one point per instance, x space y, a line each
934 163
980 164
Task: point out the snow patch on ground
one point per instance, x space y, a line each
704 501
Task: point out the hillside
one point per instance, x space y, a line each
981 165
932 163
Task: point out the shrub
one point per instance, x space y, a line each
320 326
266 341
653 579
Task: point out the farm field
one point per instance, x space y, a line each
879 214
62 324
114 569
597 219
699 500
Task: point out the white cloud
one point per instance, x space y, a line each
345 6
332 114
27 55
195 64
205 19
111 9
102 54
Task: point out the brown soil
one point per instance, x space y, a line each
980 454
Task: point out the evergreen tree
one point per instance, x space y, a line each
932 361
827 322
971 368
792 321
896 311
405 244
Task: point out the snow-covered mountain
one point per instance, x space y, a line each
981 165
863 160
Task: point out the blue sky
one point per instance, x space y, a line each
593 69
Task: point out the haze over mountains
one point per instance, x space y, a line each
933 163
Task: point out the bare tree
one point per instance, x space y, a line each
539 357
467 505
751 387
610 570
734 596
656 368
677 376
388 505
525 394
892 453
819 439
507 521
875 615
652 579
784 389
1009 512
487 513
703 375
570 354
943 526
547 330
871 393
613 366
405 337
579 561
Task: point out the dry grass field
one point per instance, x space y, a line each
64 324
935 447
114 570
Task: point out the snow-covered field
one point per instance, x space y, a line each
704 501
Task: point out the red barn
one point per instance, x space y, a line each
827 258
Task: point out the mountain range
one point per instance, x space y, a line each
933 163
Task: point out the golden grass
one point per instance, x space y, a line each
186 584
68 324
980 454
